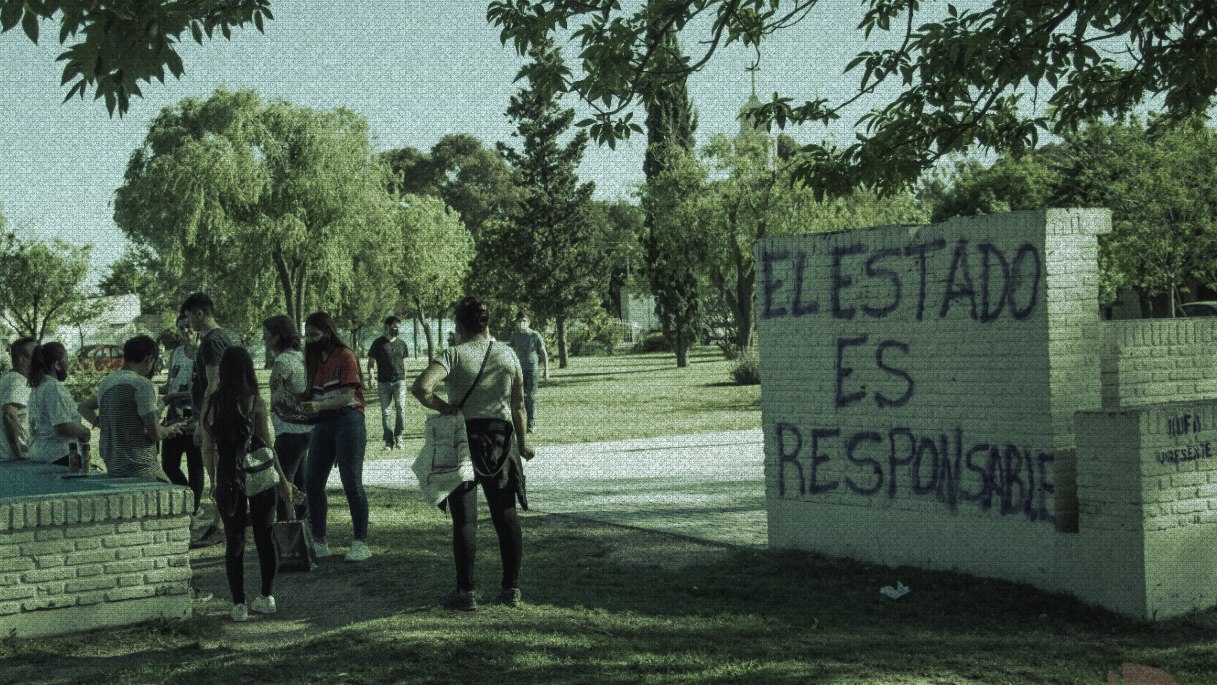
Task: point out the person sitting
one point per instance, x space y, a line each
55 427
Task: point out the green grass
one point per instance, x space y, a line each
614 398
616 605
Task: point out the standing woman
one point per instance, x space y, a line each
177 395
55 424
231 413
288 383
339 435
487 376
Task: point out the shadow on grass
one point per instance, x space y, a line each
608 604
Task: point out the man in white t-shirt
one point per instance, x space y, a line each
14 402
127 412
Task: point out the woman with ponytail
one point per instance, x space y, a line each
55 424
483 380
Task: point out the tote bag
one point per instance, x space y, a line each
294 545
444 461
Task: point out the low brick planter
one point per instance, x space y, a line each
84 553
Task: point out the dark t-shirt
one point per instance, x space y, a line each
390 359
211 349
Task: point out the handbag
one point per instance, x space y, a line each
294 545
445 461
256 470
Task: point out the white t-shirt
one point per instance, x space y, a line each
14 390
181 370
288 379
51 404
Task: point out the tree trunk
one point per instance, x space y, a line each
562 360
426 331
417 325
744 287
441 341
682 348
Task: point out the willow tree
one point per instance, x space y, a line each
436 252
232 180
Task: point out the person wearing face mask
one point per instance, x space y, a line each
339 434
55 426
529 347
126 410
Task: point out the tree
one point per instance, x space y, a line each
436 252
676 249
370 294
142 272
963 76
240 188
1157 178
118 44
565 255
41 284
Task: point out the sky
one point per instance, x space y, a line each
415 73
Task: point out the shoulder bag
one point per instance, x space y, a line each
256 470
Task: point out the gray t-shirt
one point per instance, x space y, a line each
15 390
491 399
127 402
528 346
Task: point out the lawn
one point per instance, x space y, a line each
608 604
612 398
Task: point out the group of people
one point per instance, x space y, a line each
213 409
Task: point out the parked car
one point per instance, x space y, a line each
1205 308
102 356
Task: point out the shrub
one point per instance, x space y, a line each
747 369
593 337
653 342
83 379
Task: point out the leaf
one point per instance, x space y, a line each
258 22
197 32
10 14
30 24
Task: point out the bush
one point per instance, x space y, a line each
83 379
590 338
653 342
747 370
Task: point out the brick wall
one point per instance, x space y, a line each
1148 508
920 385
1148 361
81 561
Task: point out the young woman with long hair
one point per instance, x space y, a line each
55 424
233 411
494 417
288 385
339 436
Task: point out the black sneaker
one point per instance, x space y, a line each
459 600
510 596
212 536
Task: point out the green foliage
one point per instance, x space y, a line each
116 45
593 336
653 342
83 379
435 256
1158 180
240 198
960 80
561 257
747 369
41 284
141 272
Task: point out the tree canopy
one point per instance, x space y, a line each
116 45
248 189
41 283
435 257
964 77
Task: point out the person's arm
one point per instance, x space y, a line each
74 430
88 411
146 405
262 430
213 378
517 415
12 428
543 357
208 449
423 388
344 398
371 367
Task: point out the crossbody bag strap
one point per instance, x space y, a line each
477 377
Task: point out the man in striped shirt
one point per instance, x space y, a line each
127 411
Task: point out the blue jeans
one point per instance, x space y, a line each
392 408
530 394
340 438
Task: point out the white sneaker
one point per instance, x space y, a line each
322 550
240 613
359 551
263 604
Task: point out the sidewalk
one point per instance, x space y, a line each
708 486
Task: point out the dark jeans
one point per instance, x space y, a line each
340 438
530 394
258 511
171 461
292 448
463 503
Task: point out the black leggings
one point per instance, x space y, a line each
463 502
261 514
172 450
291 449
